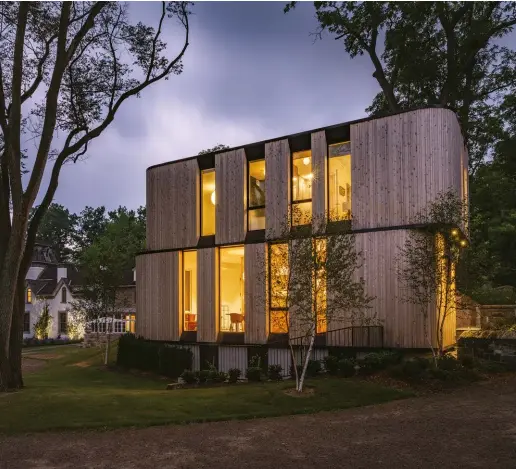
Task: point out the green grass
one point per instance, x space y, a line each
66 396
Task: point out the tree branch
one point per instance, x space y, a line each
154 42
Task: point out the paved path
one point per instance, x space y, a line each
471 428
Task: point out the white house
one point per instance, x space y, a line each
56 285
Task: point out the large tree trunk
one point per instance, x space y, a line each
16 338
8 285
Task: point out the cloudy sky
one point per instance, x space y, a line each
250 73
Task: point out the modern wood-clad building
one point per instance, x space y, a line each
213 222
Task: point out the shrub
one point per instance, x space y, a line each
275 372
448 363
346 367
489 366
202 376
313 368
217 376
412 369
234 374
293 371
468 362
331 364
189 377
254 373
174 360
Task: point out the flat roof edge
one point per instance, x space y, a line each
297 134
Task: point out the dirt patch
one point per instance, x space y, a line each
30 366
81 364
292 392
471 427
44 356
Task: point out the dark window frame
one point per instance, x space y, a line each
248 199
60 325
26 322
63 295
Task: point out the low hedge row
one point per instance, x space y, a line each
33 342
165 359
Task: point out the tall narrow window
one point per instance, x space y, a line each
208 200
26 323
232 307
319 287
29 296
278 284
339 181
63 295
190 290
63 323
256 198
302 187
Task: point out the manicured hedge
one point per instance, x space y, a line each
33 342
157 357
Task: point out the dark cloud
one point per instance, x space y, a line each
250 73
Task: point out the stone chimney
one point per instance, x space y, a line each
62 272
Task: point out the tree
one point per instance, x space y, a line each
89 225
434 53
314 279
65 71
428 261
43 323
105 264
57 229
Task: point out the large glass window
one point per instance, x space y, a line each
278 285
190 290
208 199
319 277
63 323
232 307
256 199
302 187
339 181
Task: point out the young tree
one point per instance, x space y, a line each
314 277
69 67
428 261
105 264
43 323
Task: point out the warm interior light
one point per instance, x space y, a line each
463 242
455 232
306 160
294 178
213 197
309 176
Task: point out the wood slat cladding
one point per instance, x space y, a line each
402 322
230 184
319 181
256 310
400 163
158 298
173 205
207 294
277 187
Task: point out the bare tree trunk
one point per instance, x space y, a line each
16 338
307 359
294 364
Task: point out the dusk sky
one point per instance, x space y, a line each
250 73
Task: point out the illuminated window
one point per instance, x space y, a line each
278 285
232 307
302 177
26 323
339 181
63 295
29 295
256 198
130 321
190 290
208 199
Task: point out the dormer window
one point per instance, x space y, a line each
28 298
63 295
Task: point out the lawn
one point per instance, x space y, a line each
74 391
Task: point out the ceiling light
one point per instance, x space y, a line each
306 160
455 232
213 197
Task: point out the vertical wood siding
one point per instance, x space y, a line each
277 187
319 181
207 294
232 357
400 163
172 206
402 322
158 298
231 193
256 316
